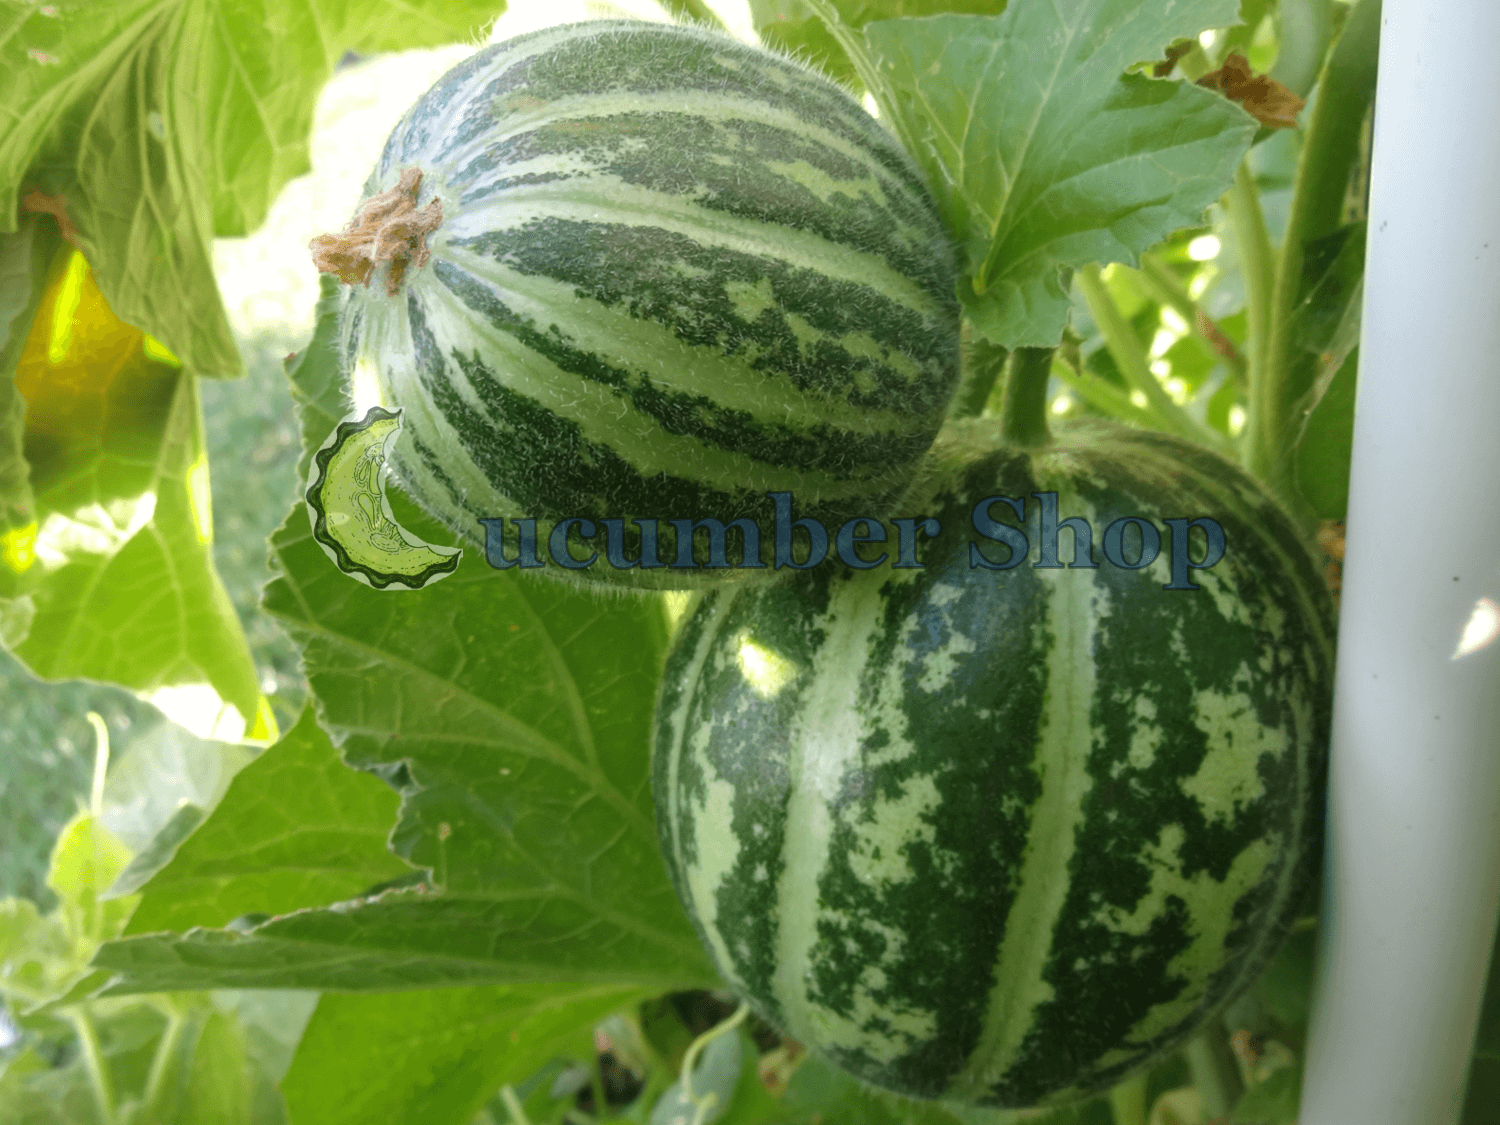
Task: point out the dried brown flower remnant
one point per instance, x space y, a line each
1330 540
1266 99
387 230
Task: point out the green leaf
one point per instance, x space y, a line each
158 851
296 828
24 256
1323 335
160 770
793 26
86 859
36 957
161 124
1044 154
514 716
434 1057
121 586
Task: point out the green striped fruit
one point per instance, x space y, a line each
1003 836
660 273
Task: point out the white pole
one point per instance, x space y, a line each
1413 877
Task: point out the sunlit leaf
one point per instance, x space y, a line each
119 584
160 124
1044 154
24 256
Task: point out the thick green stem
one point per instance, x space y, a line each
1256 265
161 1062
1163 285
1330 151
94 1064
1214 1071
1131 359
1023 411
1127 1101
983 362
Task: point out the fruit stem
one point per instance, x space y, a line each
1330 151
1023 411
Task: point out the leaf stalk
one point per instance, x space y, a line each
1131 359
1330 151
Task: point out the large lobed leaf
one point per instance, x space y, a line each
1043 152
513 715
161 124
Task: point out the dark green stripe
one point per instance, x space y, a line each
729 166
626 58
545 466
638 269
819 447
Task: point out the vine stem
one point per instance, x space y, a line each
1131 359
1023 411
1162 284
1257 260
702 1105
93 1063
1330 149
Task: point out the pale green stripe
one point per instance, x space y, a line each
602 199
636 437
610 332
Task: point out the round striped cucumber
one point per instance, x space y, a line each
1002 836
627 270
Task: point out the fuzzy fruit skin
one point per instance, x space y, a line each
1003 837
674 273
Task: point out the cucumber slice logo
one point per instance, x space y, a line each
351 517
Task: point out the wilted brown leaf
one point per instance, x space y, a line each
1264 98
